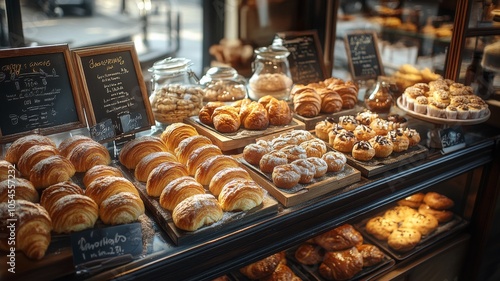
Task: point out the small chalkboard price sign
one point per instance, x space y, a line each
306 56
114 88
452 138
363 55
38 92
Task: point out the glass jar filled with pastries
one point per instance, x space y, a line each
176 92
223 84
271 73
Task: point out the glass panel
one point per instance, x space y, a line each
484 13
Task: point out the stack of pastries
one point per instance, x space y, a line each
340 253
293 157
273 267
247 114
366 135
414 217
328 96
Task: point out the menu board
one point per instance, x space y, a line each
114 88
37 92
306 56
363 55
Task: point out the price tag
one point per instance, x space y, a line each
131 122
452 139
102 130
107 242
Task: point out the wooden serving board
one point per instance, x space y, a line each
303 192
310 122
239 139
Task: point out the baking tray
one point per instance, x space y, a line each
302 192
442 231
242 137
310 122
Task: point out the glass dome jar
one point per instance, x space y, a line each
223 84
271 73
379 99
176 93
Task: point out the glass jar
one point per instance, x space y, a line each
223 84
379 99
271 73
176 93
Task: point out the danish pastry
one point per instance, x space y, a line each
424 223
404 239
380 227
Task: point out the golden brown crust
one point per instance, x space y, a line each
151 161
307 103
199 155
306 169
441 215
8 170
68 144
51 194
322 128
348 92
285 176
320 166
265 100
178 190
212 165
240 195
134 150
34 155
51 170
399 213
282 272
380 227
340 238
404 239
438 201
207 110
87 155
24 190
197 211
272 159
222 177
344 141
371 254
104 187
226 119
100 171
188 145
19 146
254 116
252 153
341 265
363 151
309 254
175 133
73 212
314 147
263 267
162 175
280 113
331 101
424 223
413 200
121 208
382 145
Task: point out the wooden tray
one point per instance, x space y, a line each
310 122
303 192
242 137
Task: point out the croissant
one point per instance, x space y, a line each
226 119
197 211
51 194
341 265
100 171
23 188
212 165
339 238
104 187
224 176
267 99
263 267
33 155
121 208
162 175
175 133
134 150
19 146
151 161
32 231
240 195
307 103
331 101
206 112
87 155
254 116
73 212
348 92
240 103
188 145
280 113
282 272
51 170
7 170
200 155
178 190
68 144
371 254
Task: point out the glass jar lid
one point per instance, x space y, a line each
273 51
221 73
170 66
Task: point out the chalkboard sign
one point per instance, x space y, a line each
363 55
306 57
452 138
38 92
102 131
114 88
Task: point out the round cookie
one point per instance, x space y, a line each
404 239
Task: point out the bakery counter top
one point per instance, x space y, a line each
218 255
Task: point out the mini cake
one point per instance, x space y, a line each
462 111
421 104
436 109
451 112
399 140
348 122
474 110
413 136
344 141
364 132
383 146
322 128
363 151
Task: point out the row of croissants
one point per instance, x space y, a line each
36 189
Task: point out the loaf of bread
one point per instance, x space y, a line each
188 145
263 267
212 165
53 193
200 155
33 228
341 265
51 170
121 208
240 195
24 190
340 238
254 116
104 187
197 211
69 143
163 174
8 170
19 146
34 155
222 177
151 161
73 212
100 171
87 155
175 133
226 119
178 190
133 151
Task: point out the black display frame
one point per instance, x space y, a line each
375 62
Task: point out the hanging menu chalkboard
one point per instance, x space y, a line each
363 55
114 88
38 92
306 56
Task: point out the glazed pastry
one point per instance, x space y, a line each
383 146
100 171
73 212
68 144
320 166
121 208
341 265
364 132
24 190
307 103
279 112
188 145
331 101
335 160
134 150
207 110
200 155
226 119
282 272
399 213
197 211
272 159
104 187
252 153
424 223
294 152
263 267
254 116
413 200
240 195
404 239
151 161
322 128
7 170
178 190
344 142
53 193
222 177
306 169
34 155
381 227
438 201
309 254
363 151
86 155
19 146
51 170
399 140
441 215
314 147
340 238
33 228
163 174
371 254
348 122
212 165
175 133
